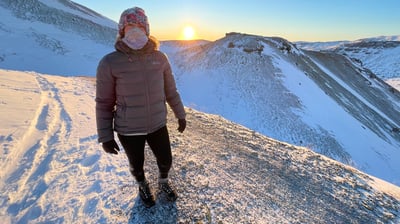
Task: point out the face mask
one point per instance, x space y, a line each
135 38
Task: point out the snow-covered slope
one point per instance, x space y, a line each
395 82
319 100
53 36
53 171
381 55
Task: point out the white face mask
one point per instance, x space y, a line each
135 38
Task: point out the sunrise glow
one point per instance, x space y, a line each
188 33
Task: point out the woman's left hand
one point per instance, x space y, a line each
182 125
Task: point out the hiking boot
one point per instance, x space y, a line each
145 194
169 192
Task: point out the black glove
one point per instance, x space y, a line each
182 125
110 147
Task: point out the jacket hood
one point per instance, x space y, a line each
152 45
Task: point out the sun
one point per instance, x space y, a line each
188 33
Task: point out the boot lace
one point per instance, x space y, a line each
166 188
146 191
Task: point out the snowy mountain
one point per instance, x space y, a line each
323 101
371 53
315 99
53 36
53 170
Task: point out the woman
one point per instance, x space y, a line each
133 84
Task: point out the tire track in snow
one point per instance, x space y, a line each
51 125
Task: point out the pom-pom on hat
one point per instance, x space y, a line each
133 15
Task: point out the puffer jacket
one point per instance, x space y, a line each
132 88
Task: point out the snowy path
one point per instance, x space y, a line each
49 128
40 160
53 170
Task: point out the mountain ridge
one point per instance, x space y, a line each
369 52
271 86
33 10
265 83
53 170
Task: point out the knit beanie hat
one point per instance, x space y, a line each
133 15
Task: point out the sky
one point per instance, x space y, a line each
295 20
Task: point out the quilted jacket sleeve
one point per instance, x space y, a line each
105 101
172 96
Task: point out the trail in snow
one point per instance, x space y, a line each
36 163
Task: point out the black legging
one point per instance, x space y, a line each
160 145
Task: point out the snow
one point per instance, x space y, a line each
36 46
226 88
382 38
372 52
322 111
395 82
87 14
269 93
54 171
357 95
